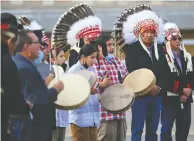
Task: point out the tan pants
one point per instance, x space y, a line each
83 133
59 134
113 130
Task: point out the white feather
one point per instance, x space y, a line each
81 24
169 25
33 26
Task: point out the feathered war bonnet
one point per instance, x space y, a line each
74 25
128 26
170 30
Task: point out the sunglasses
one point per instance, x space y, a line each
174 39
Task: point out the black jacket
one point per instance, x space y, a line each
176 82
12 100
137 57
73 57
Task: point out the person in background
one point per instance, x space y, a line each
176 105
62 116
112 127
109 43
85 120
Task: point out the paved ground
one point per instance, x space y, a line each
191 136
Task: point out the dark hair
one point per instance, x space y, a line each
87 50
23 39
100 41
81 43
58 50
105 37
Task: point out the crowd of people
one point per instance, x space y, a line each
29 62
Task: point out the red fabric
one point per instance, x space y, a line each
4 27
176 86
112 73
147 24
44 38
90 33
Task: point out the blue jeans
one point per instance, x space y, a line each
171 111
146 108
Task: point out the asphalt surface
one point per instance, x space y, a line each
190 138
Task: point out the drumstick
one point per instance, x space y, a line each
50 61
97 86
105 76
57 73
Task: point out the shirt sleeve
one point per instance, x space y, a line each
34 86
124 69
13 95
130 59
96 70
163 79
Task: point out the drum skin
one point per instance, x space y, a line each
76 91
117 98
89 76
141 81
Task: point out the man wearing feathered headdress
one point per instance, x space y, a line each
177 102
137 32
76 28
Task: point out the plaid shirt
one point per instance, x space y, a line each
112 67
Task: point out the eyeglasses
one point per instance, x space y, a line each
174 39
35 42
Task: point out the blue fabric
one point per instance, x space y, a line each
177 56
34 87
88 114
109 57
39 59
146 108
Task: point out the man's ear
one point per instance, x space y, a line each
26 48
9 41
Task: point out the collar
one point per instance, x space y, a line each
150 48
20 57
80 65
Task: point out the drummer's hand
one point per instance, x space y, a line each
105 83
49 78
155 90
187 91
183 98
93 91
59 86
29 104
